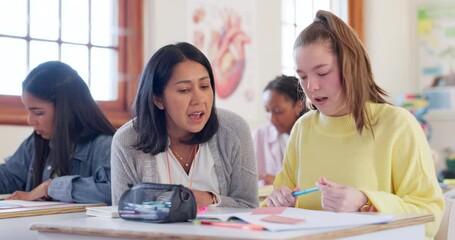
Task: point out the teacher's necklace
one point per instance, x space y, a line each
186 163
193 150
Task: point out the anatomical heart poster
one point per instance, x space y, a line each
225 31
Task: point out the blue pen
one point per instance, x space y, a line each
301 192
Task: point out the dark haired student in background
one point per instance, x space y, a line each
283 100
178 136
67 158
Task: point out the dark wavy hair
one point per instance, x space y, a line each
290 87
357 79
150 121
77 116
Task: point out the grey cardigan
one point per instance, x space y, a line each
231 148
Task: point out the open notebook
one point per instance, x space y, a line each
283 219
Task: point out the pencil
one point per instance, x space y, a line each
246 226
306 191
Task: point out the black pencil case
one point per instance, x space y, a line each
157 203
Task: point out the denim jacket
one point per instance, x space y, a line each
89 180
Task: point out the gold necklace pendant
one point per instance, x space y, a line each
186 163
177 155
189 157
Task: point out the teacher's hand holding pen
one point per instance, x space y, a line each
340 198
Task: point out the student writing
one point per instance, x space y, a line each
283 100
67 157
362 152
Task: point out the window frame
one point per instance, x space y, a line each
355 17
355 20
130 63
131 48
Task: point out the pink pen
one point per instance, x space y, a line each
245 226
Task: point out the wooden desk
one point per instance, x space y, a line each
404 227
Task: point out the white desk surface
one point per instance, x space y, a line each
19 227
85 227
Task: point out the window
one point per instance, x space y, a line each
297 14
101 39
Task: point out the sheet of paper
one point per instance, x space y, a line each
7 204
282 219
268 210
21 208
317 219
311 219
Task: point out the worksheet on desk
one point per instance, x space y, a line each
307 219
10 204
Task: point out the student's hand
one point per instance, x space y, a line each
281 197
340 198
37 193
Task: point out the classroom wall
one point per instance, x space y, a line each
162 28
389 42
389 39
11 137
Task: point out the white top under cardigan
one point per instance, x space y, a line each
202 175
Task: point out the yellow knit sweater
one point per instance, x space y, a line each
393 166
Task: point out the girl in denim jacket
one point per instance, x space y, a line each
67 157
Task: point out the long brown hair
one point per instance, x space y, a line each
150 121
77 116
355 69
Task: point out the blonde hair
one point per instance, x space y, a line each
353 61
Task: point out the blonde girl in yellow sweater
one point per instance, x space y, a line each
360 151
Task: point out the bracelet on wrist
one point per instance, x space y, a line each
214 200
366 207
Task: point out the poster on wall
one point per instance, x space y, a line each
225 32
436 39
